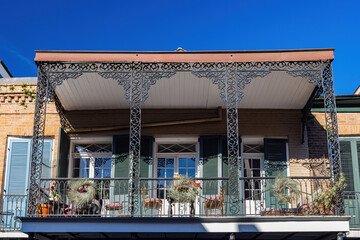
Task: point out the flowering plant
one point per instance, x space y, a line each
183 189
54 195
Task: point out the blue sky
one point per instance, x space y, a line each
26 26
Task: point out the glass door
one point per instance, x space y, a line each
253 186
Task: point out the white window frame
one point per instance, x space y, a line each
87 140
176 140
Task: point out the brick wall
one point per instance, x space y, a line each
17 119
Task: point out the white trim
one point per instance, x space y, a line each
86 140
176 139
214 227
13 235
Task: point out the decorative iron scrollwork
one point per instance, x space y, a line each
137 78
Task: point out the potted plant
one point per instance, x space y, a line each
46 209
285 189
324 202
184 190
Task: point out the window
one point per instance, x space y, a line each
91 160
174 158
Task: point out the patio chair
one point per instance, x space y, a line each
216 202
150 203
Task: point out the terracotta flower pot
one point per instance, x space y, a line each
44 210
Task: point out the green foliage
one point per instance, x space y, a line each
324 202
284 189
22 103
183 189
11 88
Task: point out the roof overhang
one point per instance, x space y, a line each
277 90
187 56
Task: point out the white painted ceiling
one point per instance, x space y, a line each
277 90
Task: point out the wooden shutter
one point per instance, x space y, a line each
63 154
275 163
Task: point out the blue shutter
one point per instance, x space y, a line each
17 169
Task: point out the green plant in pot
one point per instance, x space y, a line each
324 202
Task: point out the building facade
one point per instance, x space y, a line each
231 121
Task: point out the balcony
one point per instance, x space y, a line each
161 197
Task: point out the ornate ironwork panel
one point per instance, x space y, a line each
38 142
231 80
332 129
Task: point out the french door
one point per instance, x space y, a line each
253 188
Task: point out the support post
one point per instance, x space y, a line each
232 98
38 141
136 83
332 129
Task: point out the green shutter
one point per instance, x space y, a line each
121 158
275 163
121 162
146 160
347 165
210 148
63 154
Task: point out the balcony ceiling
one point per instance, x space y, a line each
277 90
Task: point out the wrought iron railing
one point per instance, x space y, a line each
160 197
12 207
352 207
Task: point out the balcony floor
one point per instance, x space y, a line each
279 227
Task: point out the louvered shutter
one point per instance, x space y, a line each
18 167
121 158
63 154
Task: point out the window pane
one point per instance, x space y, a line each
169 163
346 163
182 162
169 173
76 173
182 171
191 162
191 173
77 163
256 163
161 173
84 173
161 162
84 162
107 173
